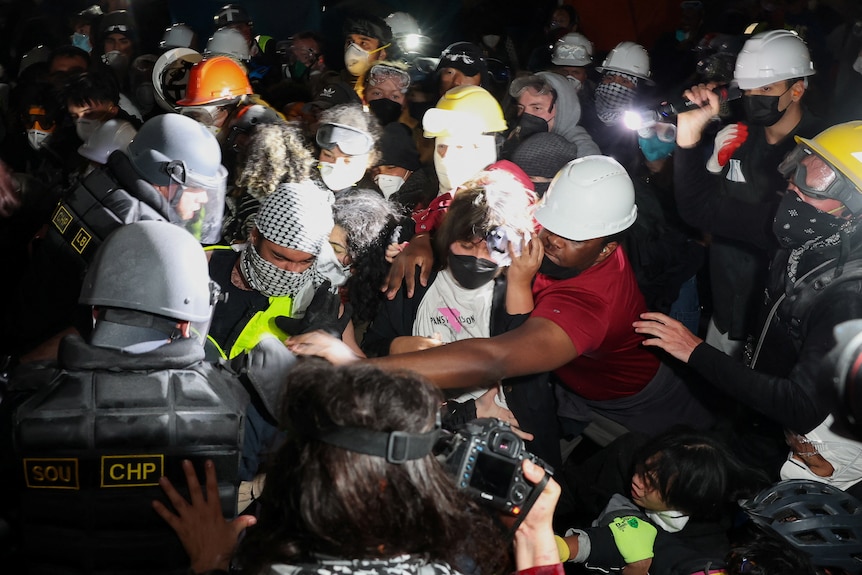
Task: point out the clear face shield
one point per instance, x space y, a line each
211 117
198 200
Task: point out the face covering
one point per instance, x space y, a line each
464 159
844 454
670 521
655 149
612 100
799 224
36 137
329 267
388 184
356 60
528 124
85 127
555 271
340 175
471 272
269 279
81 41
682 35
118 61
857 65
386 110
491 40
763 110
296 70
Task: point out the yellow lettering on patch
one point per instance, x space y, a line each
131 470
80 241
51 473
62 218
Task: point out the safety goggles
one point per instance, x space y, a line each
38 119
116 28
349 140
661 130
379 73
577 52
205 115
815 177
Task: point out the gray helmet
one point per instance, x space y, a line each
816 518
169 144
153 267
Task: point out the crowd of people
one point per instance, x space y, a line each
254 285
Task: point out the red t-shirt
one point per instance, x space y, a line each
596 310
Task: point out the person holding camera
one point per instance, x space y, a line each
355 488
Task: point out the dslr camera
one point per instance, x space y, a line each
484 456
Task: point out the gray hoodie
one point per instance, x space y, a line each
569 114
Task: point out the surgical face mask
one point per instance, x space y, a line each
463 159
857 65
36 137
763 110
85 127
356 60
654 148
269 279
388 184
682 35
612 100
386 110
81 41
331 268
340 175
471 272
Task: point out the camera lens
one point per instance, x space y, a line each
519 493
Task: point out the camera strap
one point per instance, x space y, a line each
528 504
395 446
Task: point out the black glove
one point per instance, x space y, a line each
322 313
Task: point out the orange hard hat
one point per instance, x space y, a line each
214 80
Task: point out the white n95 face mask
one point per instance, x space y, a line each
340 175
356 60
388 184
36 137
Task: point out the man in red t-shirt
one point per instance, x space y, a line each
586 299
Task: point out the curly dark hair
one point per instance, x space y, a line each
369 220
322 499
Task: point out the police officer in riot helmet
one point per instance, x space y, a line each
137 398
171 171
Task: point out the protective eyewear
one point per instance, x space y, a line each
572 52
815 177
349 140
116 28
205 115
379 73
38 119
661 130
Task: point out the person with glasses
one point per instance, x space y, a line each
347 137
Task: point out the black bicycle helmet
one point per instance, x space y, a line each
816 518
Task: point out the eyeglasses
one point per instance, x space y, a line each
351 141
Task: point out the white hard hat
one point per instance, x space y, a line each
770 57
573 50
628 58
591 197
113 135
177 36
171 76
228 42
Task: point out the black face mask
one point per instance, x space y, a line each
471 272
528 124
798 223
557 272
418 109
763 110
386 110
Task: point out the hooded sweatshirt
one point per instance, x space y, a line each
569 114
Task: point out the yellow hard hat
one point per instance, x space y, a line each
464 110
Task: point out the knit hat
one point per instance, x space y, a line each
544 154
398 148
464 56
297 216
